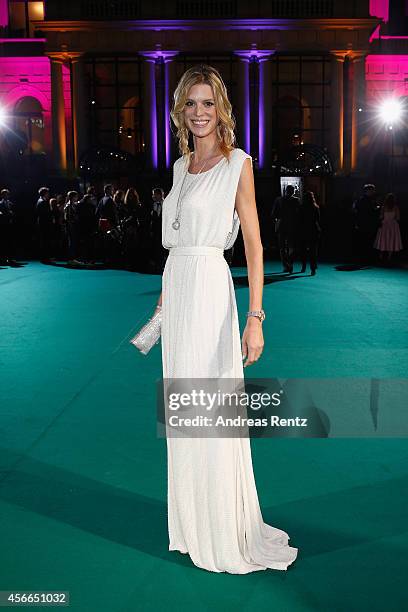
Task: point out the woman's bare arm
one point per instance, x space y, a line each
245 204
246 207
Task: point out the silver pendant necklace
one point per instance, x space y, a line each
176 223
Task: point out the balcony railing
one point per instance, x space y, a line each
93 10
205 9
292 9
106 9
200 9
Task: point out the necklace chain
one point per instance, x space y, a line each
176 222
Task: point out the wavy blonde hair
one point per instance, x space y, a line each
203 73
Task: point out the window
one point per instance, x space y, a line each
22 14
301 101
114 94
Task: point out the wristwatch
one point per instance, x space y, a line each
259 314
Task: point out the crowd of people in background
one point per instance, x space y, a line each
298 227
82 229
116 229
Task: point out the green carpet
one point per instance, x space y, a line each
83 475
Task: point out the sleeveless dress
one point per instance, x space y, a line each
213 508
388 236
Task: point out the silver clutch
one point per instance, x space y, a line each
149 334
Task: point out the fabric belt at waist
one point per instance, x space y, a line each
196 250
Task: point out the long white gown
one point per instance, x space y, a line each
213 507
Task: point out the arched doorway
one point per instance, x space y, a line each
22 139
29 123
28 120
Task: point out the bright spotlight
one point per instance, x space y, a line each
391 111
2 116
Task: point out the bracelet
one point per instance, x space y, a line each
259 314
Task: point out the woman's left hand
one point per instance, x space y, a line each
252 341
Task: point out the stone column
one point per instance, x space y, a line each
357 110
258 114
79 127
337 110
150 109
172 84
265 111
169 87
164 59
58 114
243 102
157 105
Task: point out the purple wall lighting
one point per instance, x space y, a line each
165 57
245 57
259 57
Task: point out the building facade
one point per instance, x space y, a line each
87 78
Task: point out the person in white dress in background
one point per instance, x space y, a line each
213 508
388 238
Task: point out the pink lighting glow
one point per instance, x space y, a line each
376 34
3 13
394 37
30 77
386 76
379 8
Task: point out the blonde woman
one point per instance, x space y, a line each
213 507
